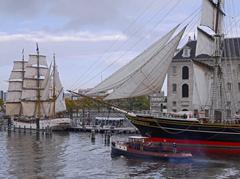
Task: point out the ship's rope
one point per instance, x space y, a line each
169 132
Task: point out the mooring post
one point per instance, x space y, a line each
38 124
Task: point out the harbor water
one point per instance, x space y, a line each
76 155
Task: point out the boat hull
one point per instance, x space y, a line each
132 153
57 124
191 136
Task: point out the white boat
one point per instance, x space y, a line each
35 95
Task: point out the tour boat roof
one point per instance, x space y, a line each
137 137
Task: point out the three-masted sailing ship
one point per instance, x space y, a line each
145 75
35 97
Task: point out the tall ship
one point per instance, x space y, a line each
35 98
208 128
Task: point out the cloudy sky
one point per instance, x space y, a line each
91 38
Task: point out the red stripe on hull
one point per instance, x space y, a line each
202 147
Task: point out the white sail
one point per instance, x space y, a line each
33 60
29 93
13 101
209 13
60 103
148 78
205 43
13 109
201 85
121 75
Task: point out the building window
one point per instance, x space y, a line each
238 86
174 88
174 103
228 113
174 110
228 68
186 52
185 110
238 67
185 73
185 91
229 103
174 70
229 86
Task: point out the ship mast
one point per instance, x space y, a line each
54 86
23 72
38 103
218 98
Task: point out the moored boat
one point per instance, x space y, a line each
35 95
141 147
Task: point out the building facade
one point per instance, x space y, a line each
180 79
158 103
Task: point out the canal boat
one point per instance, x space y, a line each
141 147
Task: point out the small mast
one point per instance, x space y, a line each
38 103
218 98
23 73
54 86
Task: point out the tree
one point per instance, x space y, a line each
1 104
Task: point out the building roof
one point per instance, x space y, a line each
231 49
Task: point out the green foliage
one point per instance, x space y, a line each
1 104
138 103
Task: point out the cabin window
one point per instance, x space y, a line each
185 73
185 91
174 87
174 70
206 112
229 86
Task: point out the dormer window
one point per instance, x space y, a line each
186 52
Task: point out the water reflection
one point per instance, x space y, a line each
36 155
75 155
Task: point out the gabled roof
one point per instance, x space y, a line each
231 49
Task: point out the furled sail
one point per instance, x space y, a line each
123 73
202 80
13 102
205 43
149 77
209 13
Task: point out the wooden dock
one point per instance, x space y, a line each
117 130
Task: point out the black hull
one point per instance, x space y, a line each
191 136
185 130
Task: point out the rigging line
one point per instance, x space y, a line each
156 53
142 14
147 76
232 75
134 45
142 39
